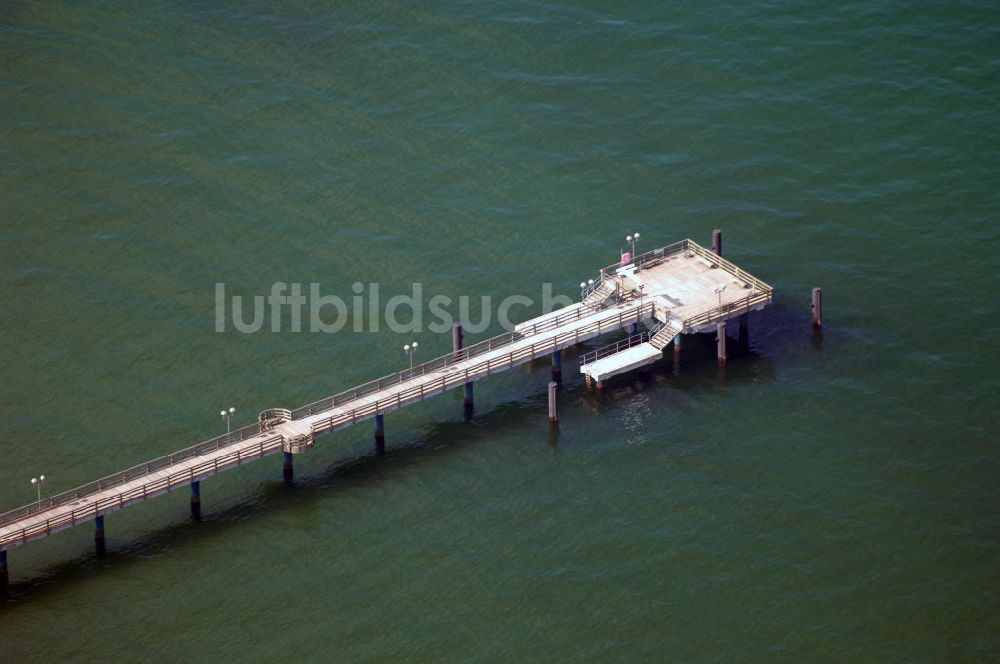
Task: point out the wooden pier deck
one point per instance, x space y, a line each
679 287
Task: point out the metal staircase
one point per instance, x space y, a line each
597 294
664 333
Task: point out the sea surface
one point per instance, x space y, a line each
829 497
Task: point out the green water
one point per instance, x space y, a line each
822 499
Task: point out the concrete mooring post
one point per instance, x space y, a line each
817 307
721 341
99 533
4 578
557 366
457 340
288 469
380 434
553 404
717 242
196 501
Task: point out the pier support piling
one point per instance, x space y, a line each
99 533
288 468
456 342
553 404
557 366
380 434
196 501
817 308
721 341
717 242
4 578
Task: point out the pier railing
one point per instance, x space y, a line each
649 258
431 366
624 344
501 362
344 398
727 310
759 291
125 476
590 289
180 478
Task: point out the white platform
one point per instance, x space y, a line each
627 360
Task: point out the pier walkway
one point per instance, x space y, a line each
679 288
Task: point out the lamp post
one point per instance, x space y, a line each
718 291
37 483
583 288
227 415
632 239
410 349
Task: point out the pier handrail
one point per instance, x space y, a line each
437 363
636 314
619 346
130 474
174 480
649 258
343 398
760 291
746 277
590 289
727 310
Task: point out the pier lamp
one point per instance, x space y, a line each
718 291
37 483
410 349
583 287
632 239
227 415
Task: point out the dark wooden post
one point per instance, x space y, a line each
99 533
817 307
288 469
717 242
553 404
196 501
380 434
721 341
456 342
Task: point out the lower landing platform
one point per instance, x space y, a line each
619 363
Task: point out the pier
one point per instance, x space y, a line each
657 296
